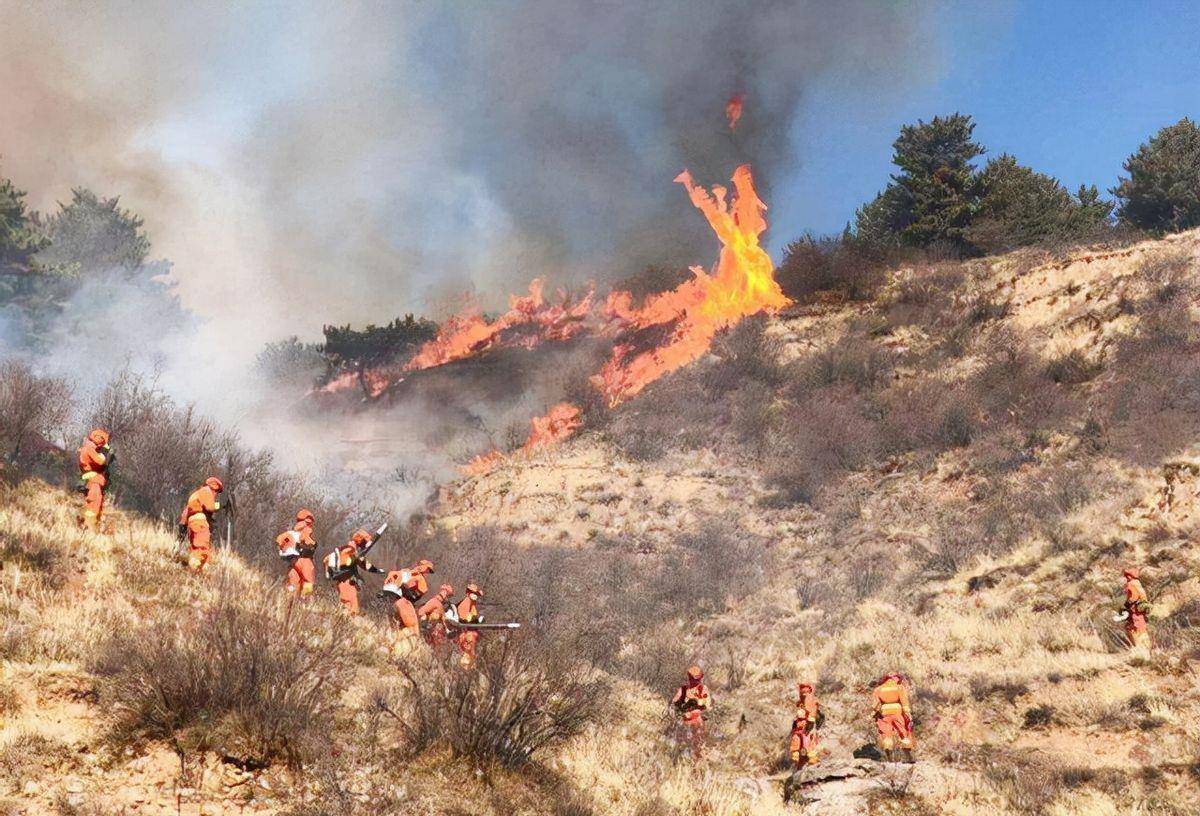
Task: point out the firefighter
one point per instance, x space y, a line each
467 611
406 587
893 717
297 546
433 612
803 744
1136 610
691 700
95 457
343 565
196 520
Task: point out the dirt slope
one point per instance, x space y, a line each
1027 702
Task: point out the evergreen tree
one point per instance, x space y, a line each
19 238
936 184
1162 191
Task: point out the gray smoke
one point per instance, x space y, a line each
307 162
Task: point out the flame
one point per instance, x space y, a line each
733 109
563 420
373 381
559 423
741 284
469 333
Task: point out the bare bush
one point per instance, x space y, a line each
832 431
745 353
256 680
518 700
854 360
32 410
1072 368
812 266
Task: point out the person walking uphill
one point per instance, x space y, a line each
297 547
803 744
196 519
1136 610
95 457
433 612
405 588
893 717
691 700
467 611
343 566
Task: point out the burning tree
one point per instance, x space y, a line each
362 355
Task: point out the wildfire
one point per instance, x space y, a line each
469 333
373 381
562 421
733 109
741 284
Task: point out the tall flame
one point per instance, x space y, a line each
741 284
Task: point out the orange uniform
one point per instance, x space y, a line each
1136 606
297 546
468 612
433 612
197 515
893 714
691 700
94 458
803 744
342 567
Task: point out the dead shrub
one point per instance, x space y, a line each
29 755
745 353
854 360
812 266
33 409
256 680
926 298
1013 388
1030 786
10 698
656 662
1072 368
519 699
1039 716
831 432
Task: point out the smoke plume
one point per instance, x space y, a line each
306 163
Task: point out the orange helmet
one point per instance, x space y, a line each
473 589
304 515
445 590
214 483
1131 572
360 537
423 566
803 687
695 674
98 437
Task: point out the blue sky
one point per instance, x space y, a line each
1069 88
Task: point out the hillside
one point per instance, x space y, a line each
773 512
987 575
